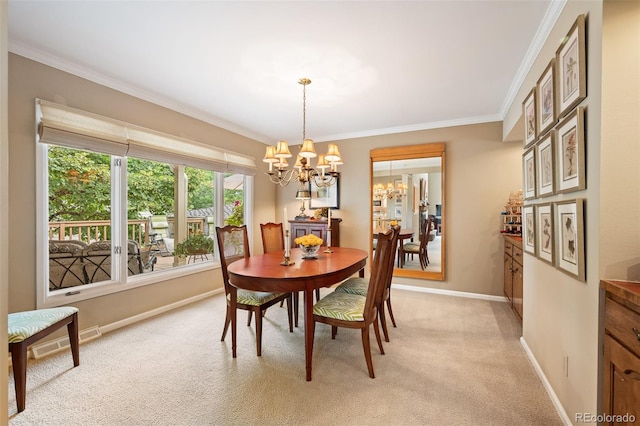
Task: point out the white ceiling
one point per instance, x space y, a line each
376 67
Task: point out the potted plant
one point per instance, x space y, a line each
195 243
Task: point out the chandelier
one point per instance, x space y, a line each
323 175
390 191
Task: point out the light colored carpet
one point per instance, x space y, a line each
450 361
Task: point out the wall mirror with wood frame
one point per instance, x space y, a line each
407 186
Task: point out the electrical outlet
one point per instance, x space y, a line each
565 365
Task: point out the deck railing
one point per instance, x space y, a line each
96 230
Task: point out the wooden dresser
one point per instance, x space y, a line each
621 375
316 227
513 273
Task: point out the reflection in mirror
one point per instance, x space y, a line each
408 188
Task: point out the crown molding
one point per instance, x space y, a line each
549 20
412 128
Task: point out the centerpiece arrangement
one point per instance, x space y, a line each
309 244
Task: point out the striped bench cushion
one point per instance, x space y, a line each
23 325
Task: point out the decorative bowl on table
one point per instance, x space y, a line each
309 244
309 252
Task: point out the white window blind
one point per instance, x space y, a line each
62 125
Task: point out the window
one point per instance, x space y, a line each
116 215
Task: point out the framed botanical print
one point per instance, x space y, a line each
528 230
529 170
570 153
529 114
544 232
327 196
569 221
572 68
545 94
545 165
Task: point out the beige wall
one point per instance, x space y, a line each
481 171
28 80
4 210
620 144
561 314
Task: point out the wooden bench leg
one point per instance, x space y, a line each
19 354
19 365
72 329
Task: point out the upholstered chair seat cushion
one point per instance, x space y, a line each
411 247
254 298
354 285
23 325
342 306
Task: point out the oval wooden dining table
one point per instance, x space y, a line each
265 273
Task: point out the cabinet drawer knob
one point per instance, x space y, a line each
637 332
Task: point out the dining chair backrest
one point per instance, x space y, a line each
392 256
379 270
424 233
272 237
233 244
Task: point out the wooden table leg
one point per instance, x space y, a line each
296 305
308 329
233 292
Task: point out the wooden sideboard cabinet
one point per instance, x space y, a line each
621 375
316 227
513 277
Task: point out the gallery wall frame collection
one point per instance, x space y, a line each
554 160
554 233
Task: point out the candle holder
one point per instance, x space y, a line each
287 250
287 261
328 249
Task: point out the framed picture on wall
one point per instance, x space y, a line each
529 170
572 68
545 165
528 230
570 153
544 232
328 196
529 114
545 93
569 223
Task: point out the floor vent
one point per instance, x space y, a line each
57 345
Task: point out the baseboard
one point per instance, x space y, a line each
152 313
554 398
449 292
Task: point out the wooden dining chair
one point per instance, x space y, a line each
419 248
360 286
340 309
233 245
272 237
